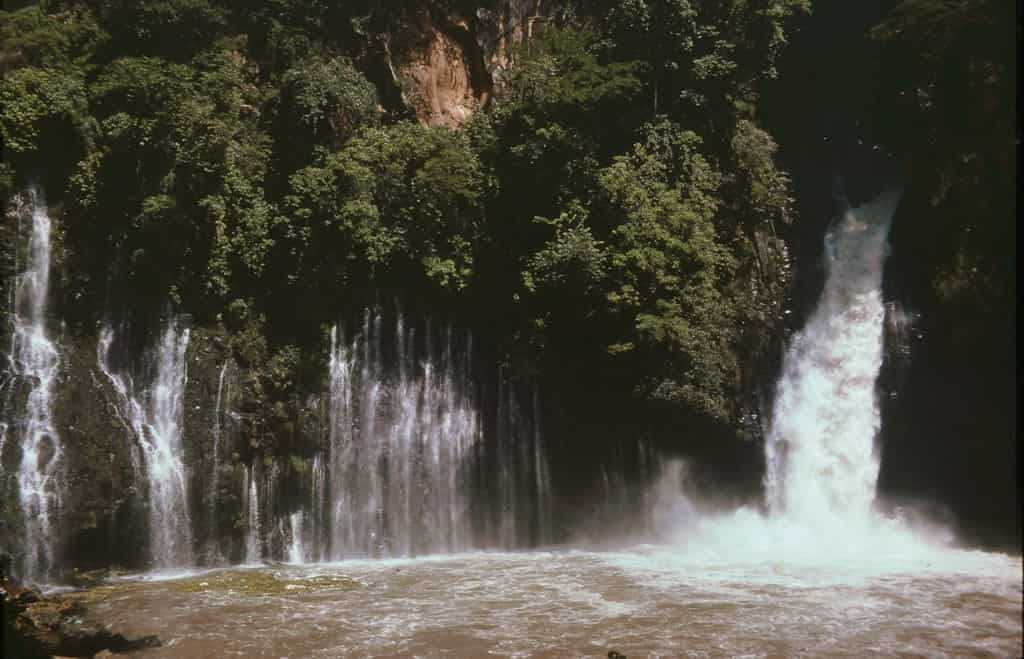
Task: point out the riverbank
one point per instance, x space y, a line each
58 624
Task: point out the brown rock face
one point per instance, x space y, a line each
454 62
438 83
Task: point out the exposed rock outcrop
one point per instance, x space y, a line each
456 62
38 626
437 83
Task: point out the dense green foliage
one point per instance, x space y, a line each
248 161
961 57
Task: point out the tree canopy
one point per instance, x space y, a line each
230 155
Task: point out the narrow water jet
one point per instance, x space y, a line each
35 360
523 482
296 549
251 496
213 551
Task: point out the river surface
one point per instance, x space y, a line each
645 601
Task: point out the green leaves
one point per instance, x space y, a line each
572 259
391 197
34 37
766 186
607 190
669 270
559 72
34 99
329 98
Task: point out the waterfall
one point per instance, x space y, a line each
128 408
217 416
400 441
318 501
822 466
631 479
213 551
296 550
251 496
400 473
34 359
523 482
155 419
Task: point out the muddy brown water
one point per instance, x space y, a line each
643 602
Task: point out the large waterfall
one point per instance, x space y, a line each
821 460
822 465
34 360
155 417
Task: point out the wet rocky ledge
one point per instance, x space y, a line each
58 625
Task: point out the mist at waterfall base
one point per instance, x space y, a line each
822 463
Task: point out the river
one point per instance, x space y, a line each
644 601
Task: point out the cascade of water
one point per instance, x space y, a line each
627 486
251 495
541 475
398 476
35 360
155 419
129 410
822 466
399 444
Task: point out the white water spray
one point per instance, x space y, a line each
821 458
34 359
822 467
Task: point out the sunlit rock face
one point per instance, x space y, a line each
437 82
456 62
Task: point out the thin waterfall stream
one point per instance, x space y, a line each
154 416
253 537
35 360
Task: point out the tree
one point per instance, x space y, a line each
669 272
398 199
